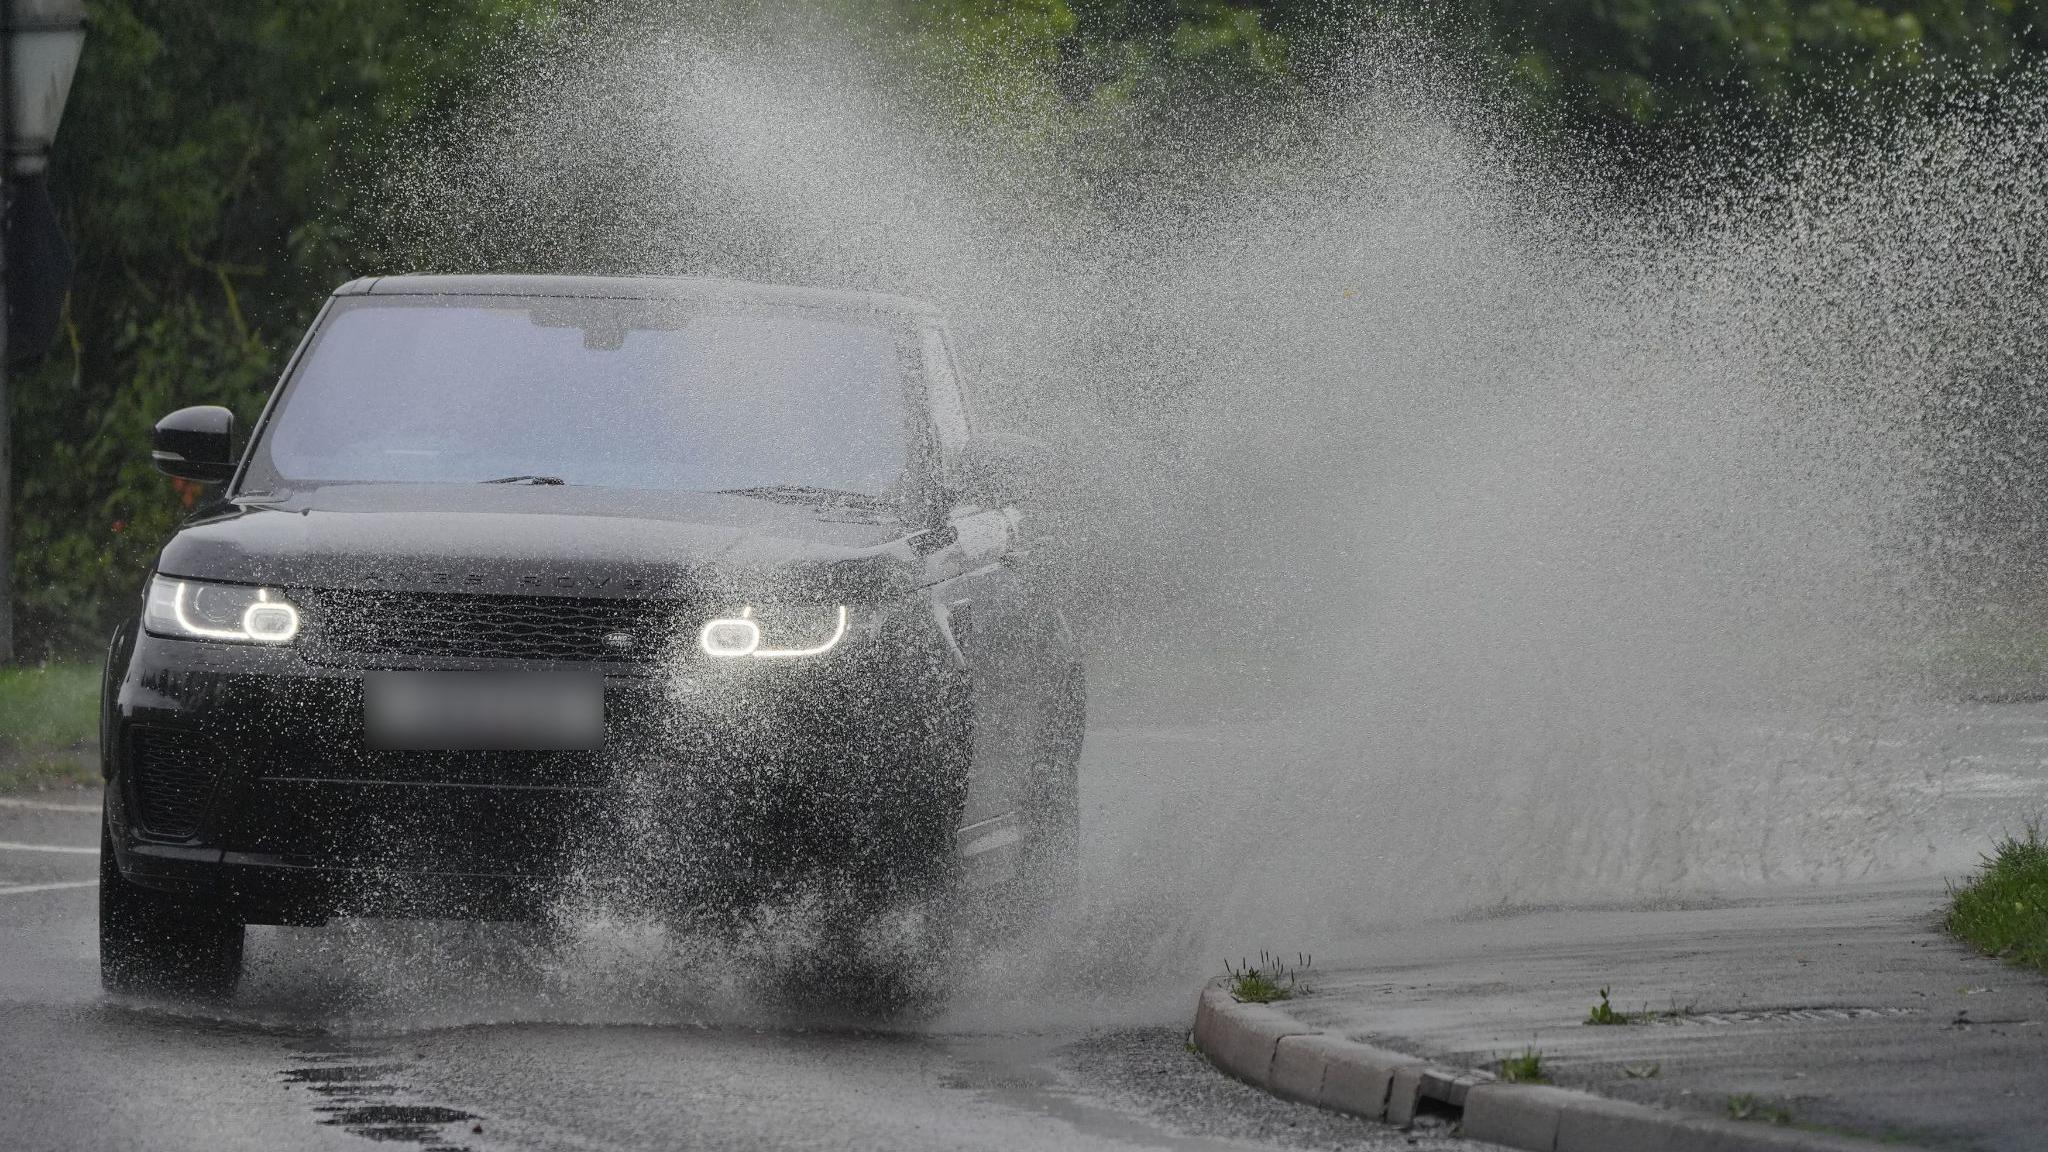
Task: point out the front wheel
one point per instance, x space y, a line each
1050 865
152 942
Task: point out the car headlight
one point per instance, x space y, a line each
780 633
236 613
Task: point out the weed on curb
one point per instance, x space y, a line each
1527 1068
1606 1013
1268 980
1748 1107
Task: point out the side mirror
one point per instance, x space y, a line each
997 468
195 444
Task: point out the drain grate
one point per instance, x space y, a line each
410 1123
1780 1016
358 1098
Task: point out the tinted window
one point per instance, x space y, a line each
617 393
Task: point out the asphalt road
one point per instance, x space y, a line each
443 1036
1206 837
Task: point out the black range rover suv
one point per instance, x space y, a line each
520 581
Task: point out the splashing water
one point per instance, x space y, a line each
1454 524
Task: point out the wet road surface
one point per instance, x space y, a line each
449 1036
388 1037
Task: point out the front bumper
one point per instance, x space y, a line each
239 775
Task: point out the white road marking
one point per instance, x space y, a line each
46 805
25 889
67 849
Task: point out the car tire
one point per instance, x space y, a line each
1052 829
153 942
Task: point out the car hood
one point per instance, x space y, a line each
535 540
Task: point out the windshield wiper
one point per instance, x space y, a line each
525 480
810 494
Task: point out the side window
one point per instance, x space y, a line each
949 406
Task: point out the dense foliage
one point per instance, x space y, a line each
207 177
1619 65
214 165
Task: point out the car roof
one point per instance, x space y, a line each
635 288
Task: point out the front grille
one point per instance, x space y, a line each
375 626
174 777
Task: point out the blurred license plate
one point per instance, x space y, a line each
490 710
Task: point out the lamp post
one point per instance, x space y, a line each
42 41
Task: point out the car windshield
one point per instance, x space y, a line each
614 393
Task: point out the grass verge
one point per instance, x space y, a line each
49 726
2002 911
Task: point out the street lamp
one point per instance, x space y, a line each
43 39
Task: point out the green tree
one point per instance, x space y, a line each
217 172
1621 66
211 176
1689 64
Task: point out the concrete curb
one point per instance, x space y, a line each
1267 1048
